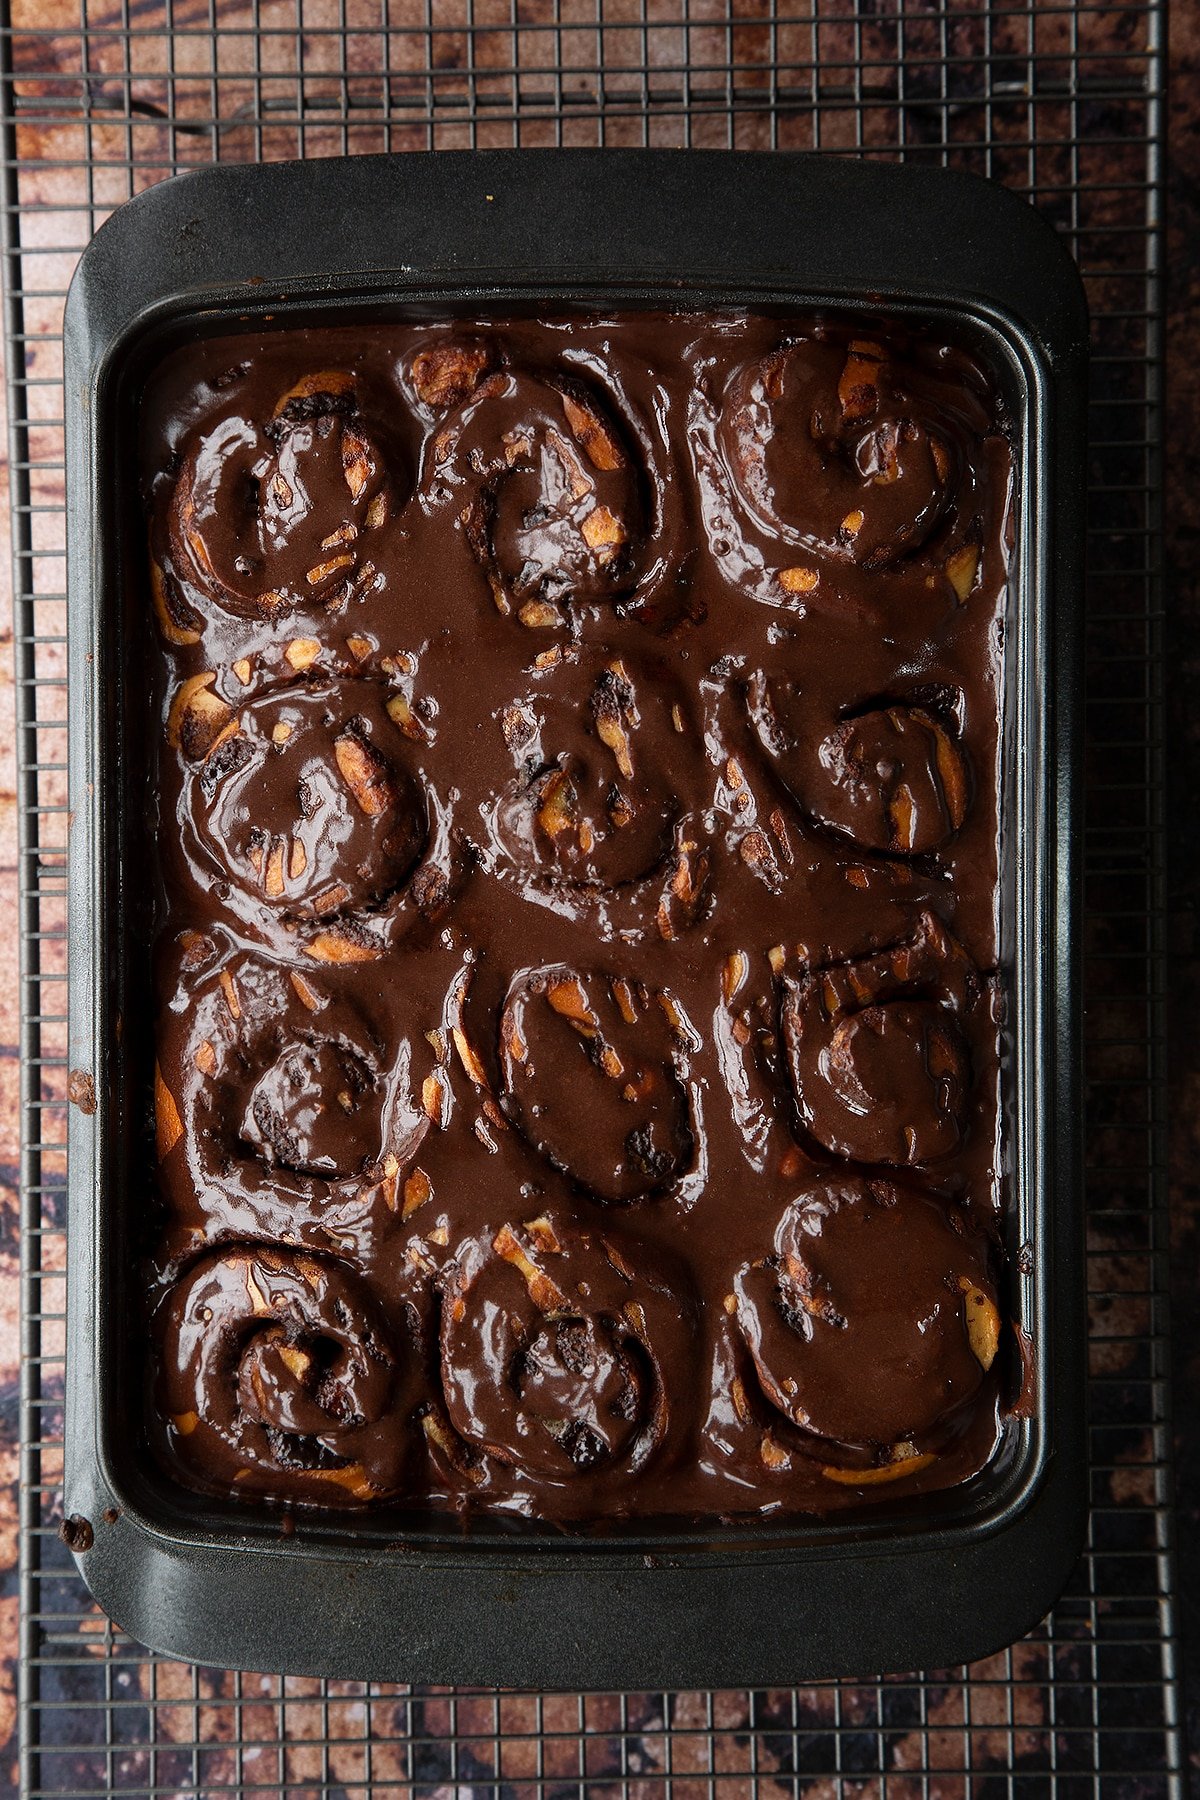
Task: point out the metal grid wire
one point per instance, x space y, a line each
101 98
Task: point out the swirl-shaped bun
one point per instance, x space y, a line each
299 812
594 803
893 777
872 1318
879 1061
286 1109
551 489
840 450
591 1077
554 1344
279 1378
269 515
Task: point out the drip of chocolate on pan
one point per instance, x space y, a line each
574 817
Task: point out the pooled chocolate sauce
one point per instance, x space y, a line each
576 820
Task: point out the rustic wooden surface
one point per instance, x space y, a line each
1183 738
9 1144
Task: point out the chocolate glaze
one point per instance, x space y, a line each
575 816
811 1315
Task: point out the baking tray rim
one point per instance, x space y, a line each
95 360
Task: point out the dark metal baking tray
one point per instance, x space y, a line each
938 1581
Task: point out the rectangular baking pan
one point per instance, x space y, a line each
943 1579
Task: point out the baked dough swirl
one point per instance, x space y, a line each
553 1348
302 815
870 1321
279 1378
878 1049
270 515
892 776
593 1073
286 1109
550 487
594 804
839 450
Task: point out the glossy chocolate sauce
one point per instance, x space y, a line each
577 1019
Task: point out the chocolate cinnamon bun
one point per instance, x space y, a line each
554 1348
870 1321
595 800
549 484
271 514
878 1049
300 812
280 1378
847 449
288 1109
593 1071
891 777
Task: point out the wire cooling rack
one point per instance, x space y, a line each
1064 103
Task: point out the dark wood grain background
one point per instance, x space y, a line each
1183 664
